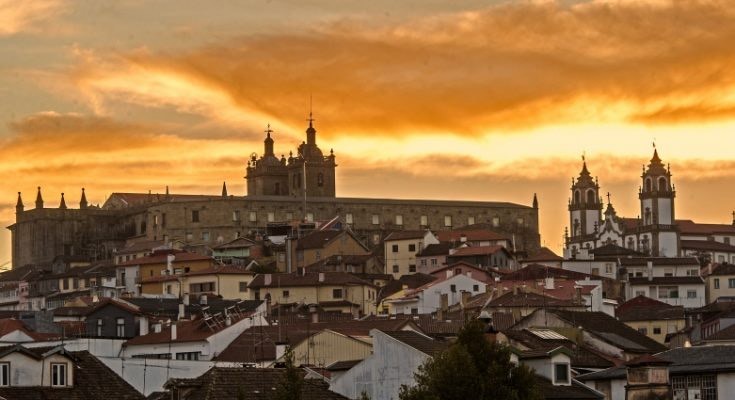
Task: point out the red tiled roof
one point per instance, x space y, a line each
307 279
471 235
186 331
687 226
544 254
160 257
405 235
477 251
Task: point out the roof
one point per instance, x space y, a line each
169 308
405 235
343 365
724 334
89 373
613 250
317 239
160 257
136 199
477 251
544 254
253 383
643 261
418 341
440 249
707 245
138 247
538 271
575 391
239 243
307 279
642 308
687 226
471 235
581 356
684 361
529 299
412 281
667 280
610 330
723 269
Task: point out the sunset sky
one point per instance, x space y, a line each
475 100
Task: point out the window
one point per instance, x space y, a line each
348 218
412 247
691 294
194 215
668 292
520 221
309 217
656 330
717 283
203 287
414 311
5 374
668 272
271 217
643 331
253 216
640 293
194 355
561 373
163 220
726 239
399 220
447 220
423 262
243 286
376 219
433 261
155 220
496 222
394 248
320 179
286 293
475 288
169 289
412 268
235 216
424 220
453 288
395 269
205 236
470 220
608 268
289 216
58 374
121 327
731 283
337 293
66 284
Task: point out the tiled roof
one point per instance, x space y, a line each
723 269
477 251
248 383
576 391
142 246
92 380
239 243
643 308
472 235
160 257
538 271
317 239
707 245
690 227
610 330
643 261
169 308
343 365
724 334
613 250
134 199
667 280
9 325
418 341
441 249
307 279
529 300
544 254
581 356
412 281
405 235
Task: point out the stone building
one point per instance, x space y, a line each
276 193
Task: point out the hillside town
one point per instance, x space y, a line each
178 296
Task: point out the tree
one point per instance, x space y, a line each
364 396
473 368
289 388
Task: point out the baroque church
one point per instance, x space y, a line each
655 232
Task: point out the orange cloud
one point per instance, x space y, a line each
25 16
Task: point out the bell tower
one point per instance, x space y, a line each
659 235
585 210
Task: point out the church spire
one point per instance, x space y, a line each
268 142
62 205
39 199
19 205
535 201
310 131
224 189
83 202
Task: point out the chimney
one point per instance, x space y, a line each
280 349
228 320
549 285
649 266
578 294
169 264
465 297
463 238
267 279
443 305
181 311
321 277
315 317
157 327
449 273
203 300
143 326
173 331
186 299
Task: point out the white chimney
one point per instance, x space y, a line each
203 300
463 238
182 312
186 299
267 279
280 350
169 264
173 331
449 273
549 285
228 321
321 277
143 326
650 270
157 327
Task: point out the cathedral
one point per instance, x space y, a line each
655 232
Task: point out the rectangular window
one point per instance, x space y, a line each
424 220
414 311
447 220
309 217
155 220
731 283
286 293
433 261
271 217
394 248
608 268
253 216
640 293
496 222
376 219
668 292
289 216
395 269
399 220
470 220
561 373
412 247
691 294
475 288
99 327
194 356
235 216
656 330
411 268
643 331
453 288
243 286
58 374
717 283
348 218
423 262
337 293
121 327
5 374
163 220
205 236
194 215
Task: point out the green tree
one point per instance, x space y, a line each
364 396
473 368
289 388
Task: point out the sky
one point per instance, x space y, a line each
474 100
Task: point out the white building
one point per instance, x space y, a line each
428 298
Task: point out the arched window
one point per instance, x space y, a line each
648 184
577 197
662 186
320 179
590 196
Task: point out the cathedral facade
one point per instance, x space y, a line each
301 187
653 232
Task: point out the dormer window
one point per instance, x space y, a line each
58 374
5 374
561 374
